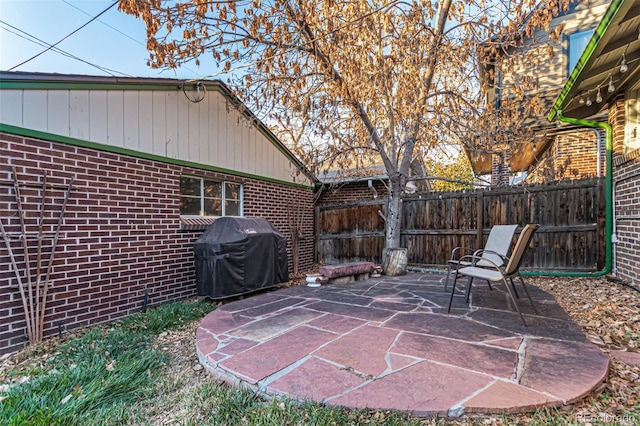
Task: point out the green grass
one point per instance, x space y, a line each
98 375
114 375
214 403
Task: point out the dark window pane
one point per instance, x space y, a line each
212 189
189 186
232 191
231 208
212 207
189 206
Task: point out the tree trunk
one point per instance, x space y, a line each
394 214
393 257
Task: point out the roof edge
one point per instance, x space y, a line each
53 81
608 17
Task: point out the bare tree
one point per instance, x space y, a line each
380 78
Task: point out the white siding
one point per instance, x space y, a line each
11 107
159 138
79 114
159 122
58 118
115 115
35 110
203 131
98 116
131 120
145 124
183 127
171 121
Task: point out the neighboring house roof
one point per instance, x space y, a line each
617 34
522 156
353 175
44 81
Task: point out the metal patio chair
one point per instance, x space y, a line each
493 253
496 273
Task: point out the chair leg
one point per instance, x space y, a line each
489 283
468 293
529 296
446 281
513 299
513 286
453 290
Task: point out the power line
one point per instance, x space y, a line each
35 40
119 31
65 37
104 23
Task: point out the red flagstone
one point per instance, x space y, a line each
334 344
509 398
316 380
488 360
422 389
262 361
364 350
508 343
207 344
235 346
218 322
629 358
568 370
274 325
337 323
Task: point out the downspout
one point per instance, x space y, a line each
608 202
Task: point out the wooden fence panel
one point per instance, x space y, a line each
351 232
571 215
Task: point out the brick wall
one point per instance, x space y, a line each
500 169
626 187
120 236
352 191
572 155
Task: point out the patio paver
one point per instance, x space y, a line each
388 343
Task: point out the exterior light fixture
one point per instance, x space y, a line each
623 65
599 96
533 148
581 99
589 101
611 88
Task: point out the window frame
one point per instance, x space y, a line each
631 141
223 196
572 36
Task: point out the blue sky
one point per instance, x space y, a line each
115 40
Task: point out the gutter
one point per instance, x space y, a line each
608 201
611 12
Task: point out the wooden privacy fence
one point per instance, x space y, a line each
571 215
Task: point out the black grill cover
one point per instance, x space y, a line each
237 255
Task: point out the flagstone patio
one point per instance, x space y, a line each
389 343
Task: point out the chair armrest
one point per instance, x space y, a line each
455 251
473 259
480 252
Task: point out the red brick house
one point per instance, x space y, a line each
609 65
549 152
154 162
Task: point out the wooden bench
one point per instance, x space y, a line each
347 272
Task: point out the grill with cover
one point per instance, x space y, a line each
238 255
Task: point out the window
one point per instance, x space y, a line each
204 197
577 43
632 119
